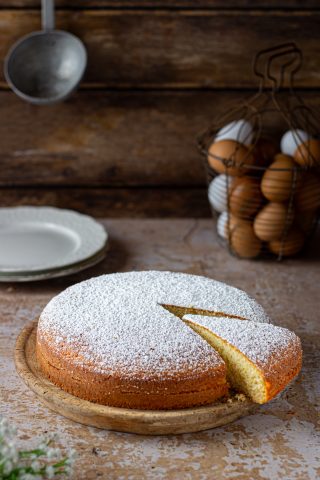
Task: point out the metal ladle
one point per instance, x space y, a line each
44 67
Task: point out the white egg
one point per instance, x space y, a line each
218 192
291 140
222 223
239 130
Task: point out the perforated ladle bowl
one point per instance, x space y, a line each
44 67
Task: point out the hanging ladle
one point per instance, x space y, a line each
45 67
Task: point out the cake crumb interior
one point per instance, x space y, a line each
179 312
242 374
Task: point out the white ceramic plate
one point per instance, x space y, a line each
43 238
55 273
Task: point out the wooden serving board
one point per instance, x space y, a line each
147 422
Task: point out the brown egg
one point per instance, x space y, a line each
246 198
271 221
226 223
281 179
290 245
243 240
264 152
308 196
226 152
308 153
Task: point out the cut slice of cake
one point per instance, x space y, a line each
261 358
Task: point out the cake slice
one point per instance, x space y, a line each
261 358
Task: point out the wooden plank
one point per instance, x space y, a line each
115 202
158 49
103 138
110 138
166 4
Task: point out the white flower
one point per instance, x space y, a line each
6 430
27 476
72 455
35 465
53 453
10 457
42 446
68 469
9 450
50 471
7 467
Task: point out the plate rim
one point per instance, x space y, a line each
91 244
55 273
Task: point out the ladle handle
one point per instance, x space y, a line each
47 14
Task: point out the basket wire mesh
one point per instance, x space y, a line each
266 201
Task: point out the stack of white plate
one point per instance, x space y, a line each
38 243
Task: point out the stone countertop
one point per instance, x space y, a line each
280 441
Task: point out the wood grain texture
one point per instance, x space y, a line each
105 138
115 202
167 3
110 138
280 442
162 48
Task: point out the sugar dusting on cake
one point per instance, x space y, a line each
116 322
264 344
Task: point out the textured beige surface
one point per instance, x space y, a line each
281 441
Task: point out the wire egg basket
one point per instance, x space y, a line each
262 161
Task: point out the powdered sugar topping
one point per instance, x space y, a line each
264 344
116 322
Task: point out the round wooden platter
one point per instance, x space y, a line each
147 422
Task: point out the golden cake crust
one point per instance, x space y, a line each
111 340
137 394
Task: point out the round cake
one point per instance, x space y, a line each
119 339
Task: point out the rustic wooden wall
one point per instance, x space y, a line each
158 72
